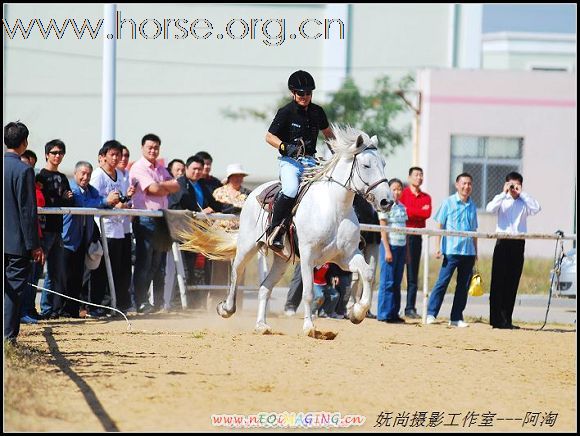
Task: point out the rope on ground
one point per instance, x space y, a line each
86 302
557 265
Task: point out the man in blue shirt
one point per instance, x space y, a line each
457 213
77 234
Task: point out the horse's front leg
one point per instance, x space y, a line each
365 273
307 294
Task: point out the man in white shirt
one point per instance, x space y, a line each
107 178
513 206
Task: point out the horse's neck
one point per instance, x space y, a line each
339 190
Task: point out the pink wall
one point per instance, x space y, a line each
538 106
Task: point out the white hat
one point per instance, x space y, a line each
235 168
94 255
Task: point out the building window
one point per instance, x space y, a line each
488 160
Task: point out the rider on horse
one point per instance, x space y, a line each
293 132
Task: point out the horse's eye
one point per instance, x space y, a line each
366 166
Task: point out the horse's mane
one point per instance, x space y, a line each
341 145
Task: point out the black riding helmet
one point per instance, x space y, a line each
301 81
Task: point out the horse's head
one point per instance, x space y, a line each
368 176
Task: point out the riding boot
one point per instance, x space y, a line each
282 209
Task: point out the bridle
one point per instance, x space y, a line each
355 169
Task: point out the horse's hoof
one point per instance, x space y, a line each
223 312
356 314
309 329
353 319
263 328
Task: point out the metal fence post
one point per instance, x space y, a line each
108 263
180 273
425 276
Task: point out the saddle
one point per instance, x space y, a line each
266 199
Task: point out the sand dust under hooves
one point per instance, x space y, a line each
173 372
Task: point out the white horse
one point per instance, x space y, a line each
326 226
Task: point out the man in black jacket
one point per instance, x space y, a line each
195 195
370 241
21 243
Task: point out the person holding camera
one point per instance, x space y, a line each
108 179
293 133
512 206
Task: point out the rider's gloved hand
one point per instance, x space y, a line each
288 149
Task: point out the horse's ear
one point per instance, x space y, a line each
359 141
375 141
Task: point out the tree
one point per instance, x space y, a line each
371 112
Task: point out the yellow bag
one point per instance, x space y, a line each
476 285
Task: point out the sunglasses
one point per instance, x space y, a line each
54 153
302 93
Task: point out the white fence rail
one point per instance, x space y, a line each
427 233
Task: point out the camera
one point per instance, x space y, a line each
124 198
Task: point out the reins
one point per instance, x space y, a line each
367 193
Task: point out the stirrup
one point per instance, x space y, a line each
271 239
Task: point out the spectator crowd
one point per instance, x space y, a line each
142 266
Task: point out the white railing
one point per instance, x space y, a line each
426 233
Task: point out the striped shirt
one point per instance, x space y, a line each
396 217
459 216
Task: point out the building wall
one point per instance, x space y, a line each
179 88
526 51
538 106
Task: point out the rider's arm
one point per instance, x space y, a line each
273 140
328 134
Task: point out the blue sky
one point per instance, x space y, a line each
545 18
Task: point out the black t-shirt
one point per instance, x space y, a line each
366 214
293 122
53 186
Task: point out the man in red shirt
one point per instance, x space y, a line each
418 205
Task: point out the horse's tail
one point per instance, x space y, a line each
209 239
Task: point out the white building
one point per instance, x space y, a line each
179 87
240 56
489 123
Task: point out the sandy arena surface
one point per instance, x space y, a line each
173 371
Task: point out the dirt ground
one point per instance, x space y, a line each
173 371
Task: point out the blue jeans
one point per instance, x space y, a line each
325 298
148 263
391 276
54 249
291 171
464 265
